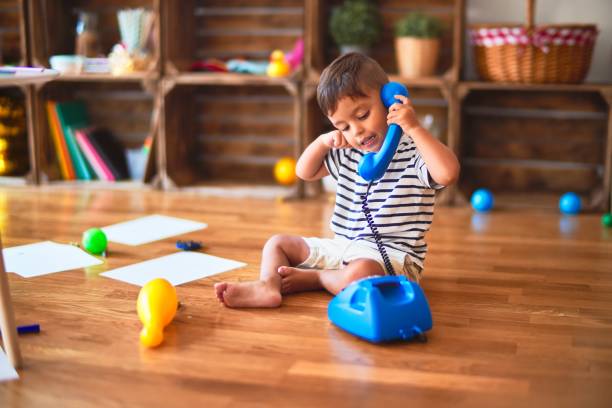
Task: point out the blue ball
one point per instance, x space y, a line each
482 200
570 203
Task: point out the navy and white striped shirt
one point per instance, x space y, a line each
401 202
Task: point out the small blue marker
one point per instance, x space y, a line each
27 329
31 328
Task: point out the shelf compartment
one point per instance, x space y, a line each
323 49
228 134
126 109
53 30
535 142
13 38
200 29
16 153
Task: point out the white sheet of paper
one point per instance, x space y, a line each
178 268
46 257
150 228
7 372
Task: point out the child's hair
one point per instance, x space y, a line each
348 75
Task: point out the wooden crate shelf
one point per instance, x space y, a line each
14 51
13 32
321 48
433 95
228 133
126 109
17 159
53 29
536 139
205 154
196 30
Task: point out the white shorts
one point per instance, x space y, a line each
336 253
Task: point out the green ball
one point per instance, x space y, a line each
606 220
94 241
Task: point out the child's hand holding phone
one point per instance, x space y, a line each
403 114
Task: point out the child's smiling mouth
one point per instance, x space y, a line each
369 141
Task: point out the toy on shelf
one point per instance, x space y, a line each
570 203
296 55
381 309
247 67
606 220
284 171
157 304
210 65
94 241
278 67
482 200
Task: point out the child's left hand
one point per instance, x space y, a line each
403 114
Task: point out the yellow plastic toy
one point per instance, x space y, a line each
284 171
278 67
157 304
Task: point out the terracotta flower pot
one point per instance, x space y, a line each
417 57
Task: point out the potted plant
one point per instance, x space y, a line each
355 26
417 44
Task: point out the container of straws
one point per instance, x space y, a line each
135 51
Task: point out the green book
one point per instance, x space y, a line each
73 115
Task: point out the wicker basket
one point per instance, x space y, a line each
528 54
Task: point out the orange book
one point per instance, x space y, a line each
63 157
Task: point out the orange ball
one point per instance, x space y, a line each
284 171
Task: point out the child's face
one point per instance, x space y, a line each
362 121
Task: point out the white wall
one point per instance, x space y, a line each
597 12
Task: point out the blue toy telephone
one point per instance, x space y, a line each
373 165
382 308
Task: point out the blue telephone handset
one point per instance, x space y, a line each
373 165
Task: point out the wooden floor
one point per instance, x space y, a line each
521 302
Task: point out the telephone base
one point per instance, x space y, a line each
382 309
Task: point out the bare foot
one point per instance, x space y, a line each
298 280
219 289
247 294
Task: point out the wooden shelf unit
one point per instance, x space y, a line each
227 132
14 50
535 140
125 107
228 127
13 32
194 30
126 104
433 95
52 27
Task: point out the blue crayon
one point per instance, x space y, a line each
27 329
30 328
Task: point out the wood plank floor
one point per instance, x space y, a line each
521 301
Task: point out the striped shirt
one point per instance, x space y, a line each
401 202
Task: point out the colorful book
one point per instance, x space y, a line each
63 157
72 115
110 150
92 156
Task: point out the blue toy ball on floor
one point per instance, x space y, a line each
482 200
570 203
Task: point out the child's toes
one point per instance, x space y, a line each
220 289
